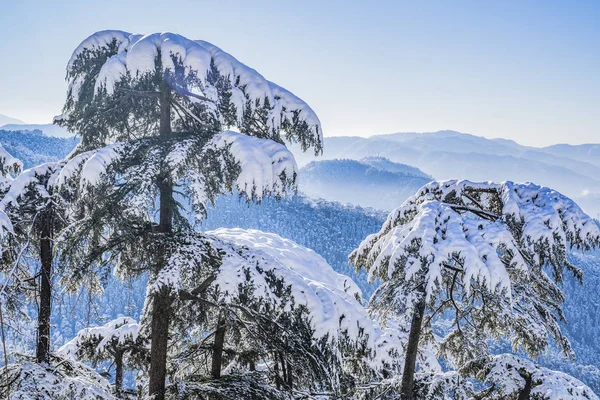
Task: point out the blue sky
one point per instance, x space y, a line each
523 70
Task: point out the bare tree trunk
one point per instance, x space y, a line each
162 302
119 372
219 343
43 339
526 392
412 349
284 371
276 369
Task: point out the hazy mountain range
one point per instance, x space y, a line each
4 120
370 182
571 169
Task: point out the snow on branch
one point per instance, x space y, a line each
101 342
267 167
509 376
481 229
262 260
196 70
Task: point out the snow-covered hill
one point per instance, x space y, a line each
573 170
371 182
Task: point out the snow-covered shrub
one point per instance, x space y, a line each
64 379
507 376
116 341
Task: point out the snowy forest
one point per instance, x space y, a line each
174 247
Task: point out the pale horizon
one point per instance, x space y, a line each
493 70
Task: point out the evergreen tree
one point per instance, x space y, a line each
491 255
273 311
34 211
164 98
116 341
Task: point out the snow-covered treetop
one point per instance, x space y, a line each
481 228
507 375
105 339
214 82
262 260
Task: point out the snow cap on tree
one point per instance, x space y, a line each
111 69
100 342
480 226
9 166
494 254
509 376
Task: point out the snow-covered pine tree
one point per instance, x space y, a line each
12 276
284 321
35 215
490 254
32 212
164 99
116 341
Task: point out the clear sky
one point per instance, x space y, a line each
523 70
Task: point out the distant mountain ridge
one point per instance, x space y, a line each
4 120
371 182
46 129
572 170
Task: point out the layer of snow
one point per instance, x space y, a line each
119 331
136 56
66 380
263 163
444 232
505 374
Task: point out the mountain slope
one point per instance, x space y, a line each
372 182
449 155
9 120
34 148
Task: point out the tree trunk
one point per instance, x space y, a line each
217 356
162 301
43 339
525 393
276 369
412 349
119 372
285 370
290 378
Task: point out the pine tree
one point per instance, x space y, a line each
490 254
271 303
116 341
164 99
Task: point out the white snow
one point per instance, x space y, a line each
119 331
136 56
547 384
263 162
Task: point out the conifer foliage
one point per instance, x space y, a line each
161 102
491 254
